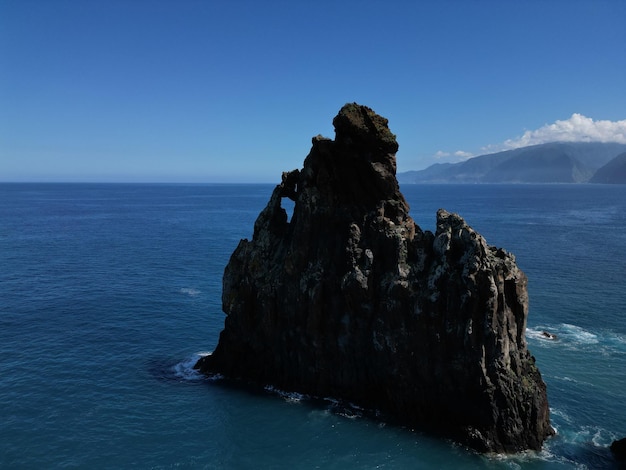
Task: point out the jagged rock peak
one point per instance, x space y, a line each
359 166
351 299
360 126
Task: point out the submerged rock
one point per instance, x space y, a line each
351 299
548 335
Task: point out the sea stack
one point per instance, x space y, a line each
348 298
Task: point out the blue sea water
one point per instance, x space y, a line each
109 293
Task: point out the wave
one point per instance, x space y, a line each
181 371
572 380
290 397
564 332
184 370
578 334
531 458
567 335
541 333
571 433
327 404
191 292
561 415
581 447
585 448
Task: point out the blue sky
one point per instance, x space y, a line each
233 91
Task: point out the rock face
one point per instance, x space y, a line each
351 299
619 449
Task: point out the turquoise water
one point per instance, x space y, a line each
108 294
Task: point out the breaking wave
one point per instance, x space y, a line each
181 371
184 370
570 336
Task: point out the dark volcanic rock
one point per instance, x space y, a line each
619 449
351 299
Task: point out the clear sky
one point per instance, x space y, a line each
233 91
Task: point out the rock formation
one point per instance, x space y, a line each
618 448
351 299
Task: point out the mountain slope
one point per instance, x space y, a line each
550 167
613 172
557 162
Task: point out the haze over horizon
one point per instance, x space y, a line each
197 91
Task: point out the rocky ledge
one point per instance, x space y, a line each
350 299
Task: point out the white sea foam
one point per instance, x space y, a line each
602 437
574 381
561 414
578 334
346 409
616 340
597 436
565 378
290 397
573 337
571 433
191 292
528 458
540 333
564 335
334 406
184 370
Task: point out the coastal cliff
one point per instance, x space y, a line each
349 298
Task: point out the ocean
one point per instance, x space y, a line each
110 292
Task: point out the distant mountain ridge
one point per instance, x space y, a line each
556 162
613 172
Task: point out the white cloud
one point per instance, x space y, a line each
577 128
459 153
463 155
455 157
